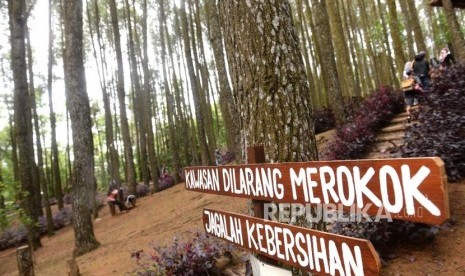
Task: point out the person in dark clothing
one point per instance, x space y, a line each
421 70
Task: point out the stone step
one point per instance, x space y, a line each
394 128
403 114
377 155
390 136
399 119
386 145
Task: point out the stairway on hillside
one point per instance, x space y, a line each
390 137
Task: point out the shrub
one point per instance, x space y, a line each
353 138
67 199
441 131
17 234
166 181
194 257
62 218
13 236
323 119
227 158
385 235
142 190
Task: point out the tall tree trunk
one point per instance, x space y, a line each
389 62
170 108
375 69
434 28
417 31
83 147
55 162
3 217
153 160
322 89
110 141
14 146
328 63
353 45
101 153
341 48
38 171
227 106
201 129
396 38
139 100
23 118
306 47
128 153
269 79
183 111
204 83
408 29
457 41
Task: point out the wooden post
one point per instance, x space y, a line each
256 155
25 263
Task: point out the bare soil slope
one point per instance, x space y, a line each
157 219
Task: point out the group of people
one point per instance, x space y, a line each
419 73
115 197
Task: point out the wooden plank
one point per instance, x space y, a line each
318 252
413 189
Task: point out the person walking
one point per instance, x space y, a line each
413 91
421 70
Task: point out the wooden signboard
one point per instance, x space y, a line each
318 252
413 189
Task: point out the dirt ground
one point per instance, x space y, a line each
157 219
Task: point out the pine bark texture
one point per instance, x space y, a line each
22 119
83 148
270 86
138 102
396 38
25 261
170 105
227 105
328 62
153 159
408 28
340 45
55 162
110 140
417 31
130 171
206 155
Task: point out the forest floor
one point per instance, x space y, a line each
176 212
